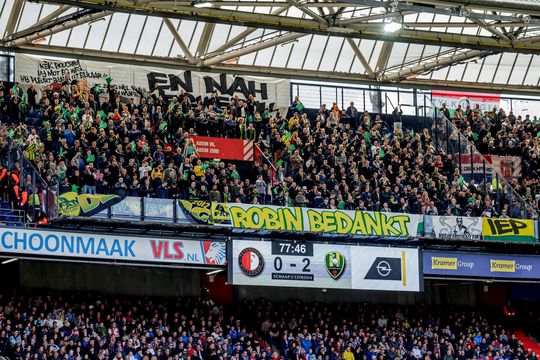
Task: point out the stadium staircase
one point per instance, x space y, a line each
529 343
10 217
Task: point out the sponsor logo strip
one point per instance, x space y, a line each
481 265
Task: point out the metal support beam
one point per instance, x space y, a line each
14 17
179 41
204 39
384 56
498 5
235 40
365 19
266 4
491 29
56 13
451 8
55 29
361 57
320 10
502 5
527 41
251 48
436 64
307 11
309 26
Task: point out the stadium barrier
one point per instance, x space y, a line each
274 263
327 221
41 243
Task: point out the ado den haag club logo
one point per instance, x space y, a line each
251 261
335 264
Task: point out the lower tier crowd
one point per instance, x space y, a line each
56 325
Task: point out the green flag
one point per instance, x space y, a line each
108 79
367 136
381 153
299 106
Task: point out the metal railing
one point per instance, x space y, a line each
12 217
379 99
30 180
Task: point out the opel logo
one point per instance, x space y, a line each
383 268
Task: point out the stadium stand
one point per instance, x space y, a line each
46 325
269 180
495 132
341 158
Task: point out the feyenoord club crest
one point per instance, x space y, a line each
251 261
335 264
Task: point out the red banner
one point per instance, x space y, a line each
454 98
224 149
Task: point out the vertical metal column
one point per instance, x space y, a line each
34 188
436 128
447 138
459 151
484 169
415 103
499 194
472 161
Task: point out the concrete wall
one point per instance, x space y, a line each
435 293
111 279
283 293
139 280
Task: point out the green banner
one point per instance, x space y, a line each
512 230
205 212
73 204
261 217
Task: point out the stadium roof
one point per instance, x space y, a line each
466 44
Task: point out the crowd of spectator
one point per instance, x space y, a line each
96 141
52 325
497 133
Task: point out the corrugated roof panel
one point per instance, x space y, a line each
149 36
132 34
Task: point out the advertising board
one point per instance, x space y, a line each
125 248
481 265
